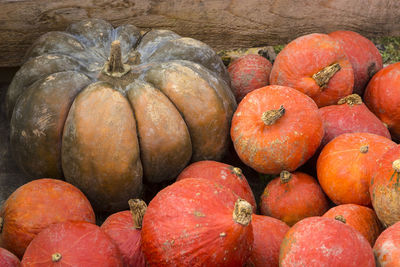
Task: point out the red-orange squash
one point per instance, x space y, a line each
361 218
382 96
224 174
36 205
387 247
316 65
276 128
319 241
293 197
197 222
248 73
346 165
363 55
72 244
350 115
268 235
385 187
7 259
124 229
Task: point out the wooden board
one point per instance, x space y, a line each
223 24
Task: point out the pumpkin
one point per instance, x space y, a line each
72 244
292 197
319 241
384 188
382 96
363 55
346 165
268 235
348 116
124 230
248 73
36 205
276 128
105 107
196 222
7 259
316 65
361 218
387 247
224 174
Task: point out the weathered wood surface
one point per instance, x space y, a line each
222 24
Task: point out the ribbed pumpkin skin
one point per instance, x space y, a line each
318 241
284 145
345 172
120 227
268 235
303 57
294 200
36 205
72 117
7 259
223 174
361 218
190 223
79 243
363 55
382 96
248 73
346 118
384 188
387 247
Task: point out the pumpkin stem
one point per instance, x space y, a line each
323 76
351 100
237 171
242 212
56 257
364 149
285 177
396 165
271 116
340 218
114 66
138 209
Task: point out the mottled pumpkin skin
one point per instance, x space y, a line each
71 117
190 223
382 96
292 201
319 241
248 73
345 170
305 56
223 174
121 228
79 243
7 259
363 55
387 247
268 235
36 205
349 118
284 145
361 218
385 188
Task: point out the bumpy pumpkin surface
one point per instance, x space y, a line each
105 107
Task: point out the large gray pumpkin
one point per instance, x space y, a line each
105 107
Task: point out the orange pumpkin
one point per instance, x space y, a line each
276 128
316 65
346 165
387 247
382 96
361 218
293 197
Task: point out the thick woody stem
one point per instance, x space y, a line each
364 149
323 76
351 100
271 116
396 165
138 209
285 177
340 218
114 67
242 212
56 257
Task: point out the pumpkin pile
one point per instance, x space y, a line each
129 136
